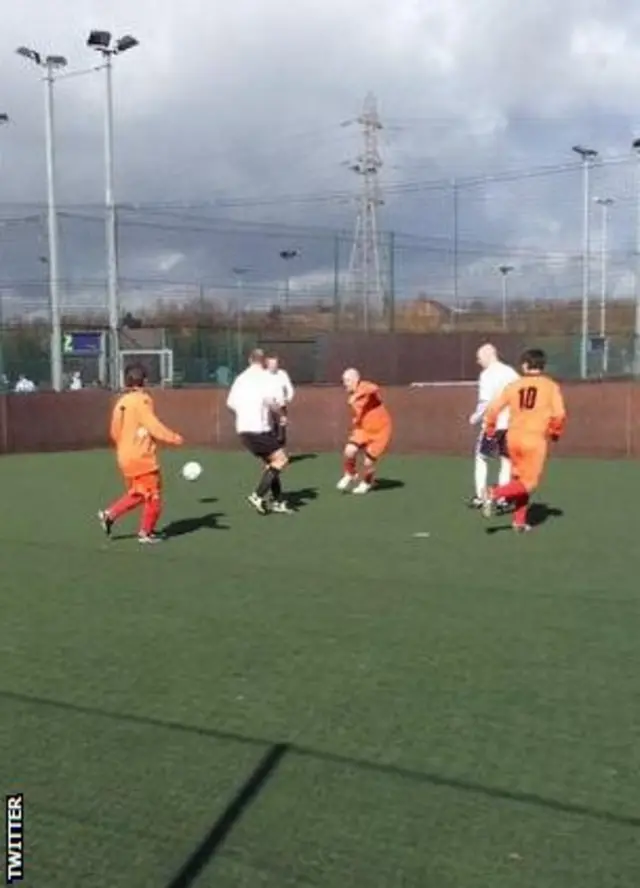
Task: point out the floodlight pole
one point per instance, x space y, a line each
52 232
636 326
287 256
588 155
101 41
505 270
111 224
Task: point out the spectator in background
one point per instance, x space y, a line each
24 385
75 383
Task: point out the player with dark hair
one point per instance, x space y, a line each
136 431
537 415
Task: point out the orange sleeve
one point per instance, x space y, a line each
558 412
366 391
115 428
496 407
152 424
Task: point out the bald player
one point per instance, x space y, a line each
370 434
537 416
494 377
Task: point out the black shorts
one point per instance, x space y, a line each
496 446
261 444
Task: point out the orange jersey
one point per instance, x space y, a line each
536 408
369 413
136 430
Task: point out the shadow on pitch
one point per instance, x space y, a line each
388 484
298 499
301 457
252 787
190 525
208 500
273 754
538 514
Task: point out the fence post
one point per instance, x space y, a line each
392 282
336 283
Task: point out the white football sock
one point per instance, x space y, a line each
505 471
481 472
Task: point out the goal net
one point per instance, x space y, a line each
158 362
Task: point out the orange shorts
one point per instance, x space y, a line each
374 444
528 458
148 486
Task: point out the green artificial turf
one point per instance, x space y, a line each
322 699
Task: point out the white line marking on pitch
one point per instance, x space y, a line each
422 534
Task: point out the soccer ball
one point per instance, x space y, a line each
191 471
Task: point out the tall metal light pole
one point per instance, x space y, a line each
4 119
505 270
51 65
635 147
588 156
239 272
605 203
102 42
288 255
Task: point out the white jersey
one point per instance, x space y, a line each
252 397
493 380
285 386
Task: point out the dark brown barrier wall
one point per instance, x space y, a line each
604 419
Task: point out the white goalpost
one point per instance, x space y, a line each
158 363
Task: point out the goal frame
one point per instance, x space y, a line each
166 362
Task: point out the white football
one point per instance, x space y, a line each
191 471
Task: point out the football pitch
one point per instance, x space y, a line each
374 692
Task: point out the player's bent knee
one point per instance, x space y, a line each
279 461
351 450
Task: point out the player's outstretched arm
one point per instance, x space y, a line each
158 430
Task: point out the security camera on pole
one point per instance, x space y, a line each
102 42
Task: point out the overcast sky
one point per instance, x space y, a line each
242 104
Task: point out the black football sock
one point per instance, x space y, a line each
266 481
276 486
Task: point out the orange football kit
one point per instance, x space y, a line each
537 415
136 431
371 424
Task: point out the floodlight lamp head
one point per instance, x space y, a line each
125 43
289 254
585 153
635 145
4 118
30 54
55 61
99 40
505 269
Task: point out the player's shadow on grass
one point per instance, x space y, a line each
538 514
298 499
208 500
301 457
388 484
184 526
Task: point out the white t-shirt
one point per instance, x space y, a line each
283 381
492 381
252 397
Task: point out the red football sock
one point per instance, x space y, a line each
150 516
126 503
522 505
368 475
511 491
350 466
